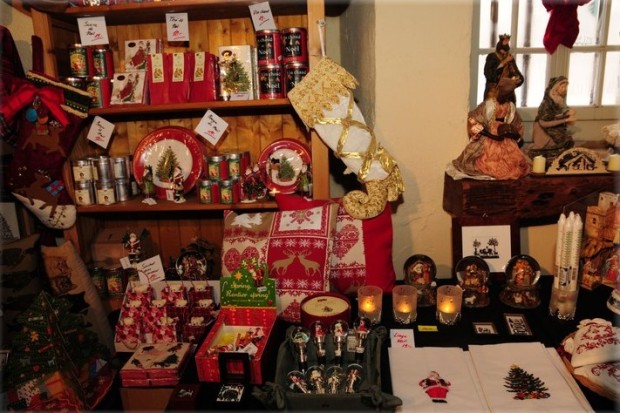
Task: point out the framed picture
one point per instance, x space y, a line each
517 325
484 328
494 239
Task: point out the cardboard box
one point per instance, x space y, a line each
145 399
207 360
155 365
107 247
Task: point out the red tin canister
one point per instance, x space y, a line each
293 73
294 45
268 47
270 81
100 89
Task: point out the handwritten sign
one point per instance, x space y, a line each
93 31
151 270
262 17
211 127
402 338
100 132
177 27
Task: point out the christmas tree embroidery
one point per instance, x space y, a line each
525 385
166 165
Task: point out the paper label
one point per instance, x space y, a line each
402 338
151 270
178 67
93 31
211 127
158 67
199 66
100 132
427 329
177 27
262 18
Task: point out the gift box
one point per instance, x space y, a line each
136 52
158 76
184 397
129 88
181 75
368 394
237 70
230 325
155 365
205 81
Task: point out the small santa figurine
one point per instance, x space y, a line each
177 185
436 387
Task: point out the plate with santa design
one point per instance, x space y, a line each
283 162
175 155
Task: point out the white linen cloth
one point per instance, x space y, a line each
492 364
410 366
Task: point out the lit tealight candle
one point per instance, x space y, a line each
539 164
369 305
404 307
447 307
613 163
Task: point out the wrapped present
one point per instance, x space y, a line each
205 79
155 365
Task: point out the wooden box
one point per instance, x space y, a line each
145 399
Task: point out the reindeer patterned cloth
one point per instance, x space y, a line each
50 116
296 245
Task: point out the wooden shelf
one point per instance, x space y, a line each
261 106
191 204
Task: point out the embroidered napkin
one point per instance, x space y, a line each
524 377
434 379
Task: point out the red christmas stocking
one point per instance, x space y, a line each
50 116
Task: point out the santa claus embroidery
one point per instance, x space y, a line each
436 387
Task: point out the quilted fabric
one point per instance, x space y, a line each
295 244
362 251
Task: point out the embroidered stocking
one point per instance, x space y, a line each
50 116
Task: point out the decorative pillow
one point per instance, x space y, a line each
68 275
295 245
21 282
362 251
596 341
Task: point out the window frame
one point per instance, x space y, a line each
557 64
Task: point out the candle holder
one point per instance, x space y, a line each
449 299
563 303
404 303
370 303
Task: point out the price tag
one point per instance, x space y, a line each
211 127
402 338
100 132
177 27
151 270
93 31
262 17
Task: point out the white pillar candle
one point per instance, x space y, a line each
539 164
613 164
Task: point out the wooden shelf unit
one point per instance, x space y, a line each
252 124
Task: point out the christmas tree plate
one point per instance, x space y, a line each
283 161
176 157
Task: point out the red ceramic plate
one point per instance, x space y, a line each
170 144
276 159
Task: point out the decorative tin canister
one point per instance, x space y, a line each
268 47
114 278
228 191
294 45
270 82
217 166
78 60
293 73
100 89
102 171
119 167
99 279
76 82
105 193
235 164
121 187
82 170
84 193
102 63
205 189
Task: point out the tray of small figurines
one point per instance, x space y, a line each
420 271
329 379
521 289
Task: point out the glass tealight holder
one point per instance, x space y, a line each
370 302
449 300
404 303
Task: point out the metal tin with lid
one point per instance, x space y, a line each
82 170
268 47
84 193
121 188
294 45
235 164
102 171
78 60
120 169
106 194
294 72
270 82
217 166
102 63
205 189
